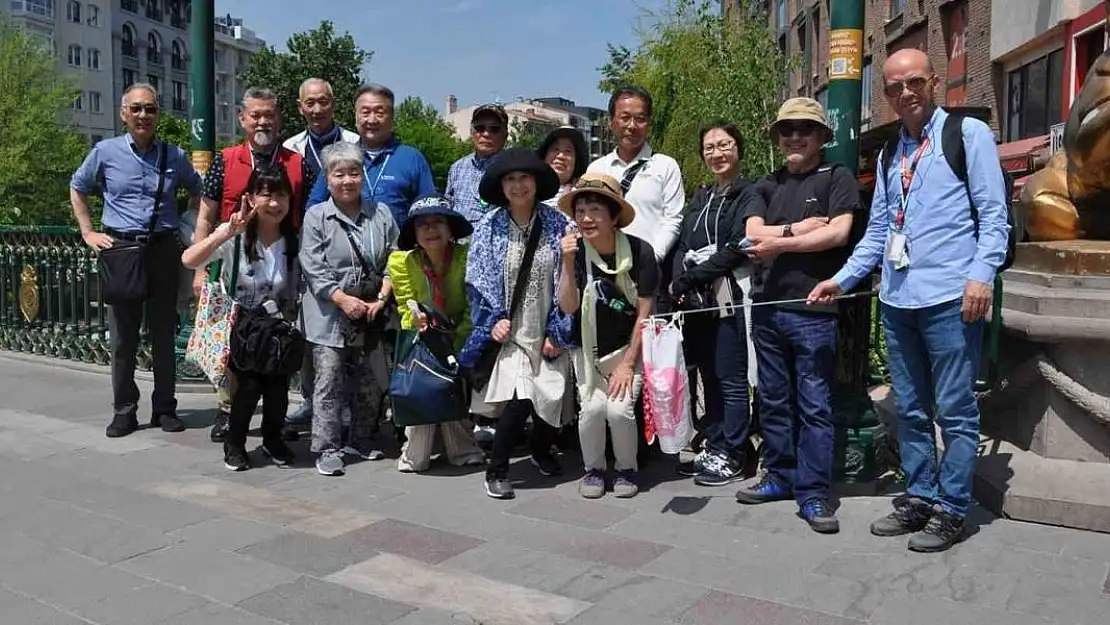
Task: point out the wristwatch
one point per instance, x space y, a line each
788 230
383 297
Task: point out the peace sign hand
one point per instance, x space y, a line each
238 221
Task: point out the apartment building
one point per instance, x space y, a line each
235 44
542 115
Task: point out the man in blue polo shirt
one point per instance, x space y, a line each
396 174
125 170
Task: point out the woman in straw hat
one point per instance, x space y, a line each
528 369
604 271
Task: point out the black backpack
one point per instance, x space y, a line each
952 143
266 345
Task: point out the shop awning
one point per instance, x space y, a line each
1019 184
1017 156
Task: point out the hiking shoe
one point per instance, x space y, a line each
236 458
278 453
121 425
592 485
817 512
910 515
499 487
941 532
169 422
719 470
219 427
766 490
624 486
330 463
364 454
547 464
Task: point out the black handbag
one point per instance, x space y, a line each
266 345
482 370
123 267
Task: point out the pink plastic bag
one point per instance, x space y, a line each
666 386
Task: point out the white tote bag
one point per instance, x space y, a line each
666 386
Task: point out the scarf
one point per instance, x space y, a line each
321 141
622 278
435 281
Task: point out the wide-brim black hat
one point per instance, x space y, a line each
460 227
581 151
517 159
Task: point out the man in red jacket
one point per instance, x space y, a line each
227 179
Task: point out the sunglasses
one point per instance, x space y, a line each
149 109
916 84
787 129
492 129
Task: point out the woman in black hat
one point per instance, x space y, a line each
430 269
523 344
565 150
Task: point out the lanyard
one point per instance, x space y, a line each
273 157
374 187
908 174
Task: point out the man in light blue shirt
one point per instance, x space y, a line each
938 264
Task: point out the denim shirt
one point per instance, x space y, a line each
328 263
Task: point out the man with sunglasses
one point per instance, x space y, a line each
799 237
128 170
489 130
940 241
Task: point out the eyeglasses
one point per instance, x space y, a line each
916 84
598 184
149 109
492 129
723 146
638 120
787 129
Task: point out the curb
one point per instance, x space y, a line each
102 370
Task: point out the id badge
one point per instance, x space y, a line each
899 253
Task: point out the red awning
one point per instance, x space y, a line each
1017 156
1018 185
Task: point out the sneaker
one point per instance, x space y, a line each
370 454
279 453
693 467
941 532
547 464
817 512
624 486
219 427
767 489
302 415
499 487
592 485
169 422
121 425
236 458
483 435
330 463
719 471
910 515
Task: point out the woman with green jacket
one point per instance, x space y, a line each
430 269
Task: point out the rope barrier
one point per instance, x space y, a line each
733 306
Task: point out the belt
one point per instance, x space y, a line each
140 237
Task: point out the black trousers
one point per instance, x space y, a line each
510 425
125 322
273 390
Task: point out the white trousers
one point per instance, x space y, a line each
458 439
599 410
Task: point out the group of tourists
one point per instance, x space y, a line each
542 267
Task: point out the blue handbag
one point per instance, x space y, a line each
425 387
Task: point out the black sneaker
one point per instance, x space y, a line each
121 425
499 487
910 515
279 453
766 490
169 422
817 512
719 470
941 532
220 427
236 458
547 464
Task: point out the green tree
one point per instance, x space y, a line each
175 130
419 124
40 150
317 53
528 133
701 67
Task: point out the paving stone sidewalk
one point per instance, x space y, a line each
152 530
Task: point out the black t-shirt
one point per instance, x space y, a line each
644 272
826 191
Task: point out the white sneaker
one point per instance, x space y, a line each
330 463
373 454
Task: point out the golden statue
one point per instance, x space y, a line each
1070 198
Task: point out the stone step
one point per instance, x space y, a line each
1056 302
1014 275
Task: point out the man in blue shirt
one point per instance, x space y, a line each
938 265
125 170
489 130
397 174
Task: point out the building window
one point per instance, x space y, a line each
152 80
177 16
154 10
180 102
780 15
95 139
897 7
177 60
79 103
73 55
153 48
73 11
865 91
94 101
128 41
129 78
1034 97
94 15
94 58
45 8
131 6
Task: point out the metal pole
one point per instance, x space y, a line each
202 106
845 71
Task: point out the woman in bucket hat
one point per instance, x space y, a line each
603 272
565 150
529 369
430 269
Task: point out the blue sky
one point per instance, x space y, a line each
478 50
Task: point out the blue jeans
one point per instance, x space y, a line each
797 364
934 357
719 348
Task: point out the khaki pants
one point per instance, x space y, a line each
458 439
598 410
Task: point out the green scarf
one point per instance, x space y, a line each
623 280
